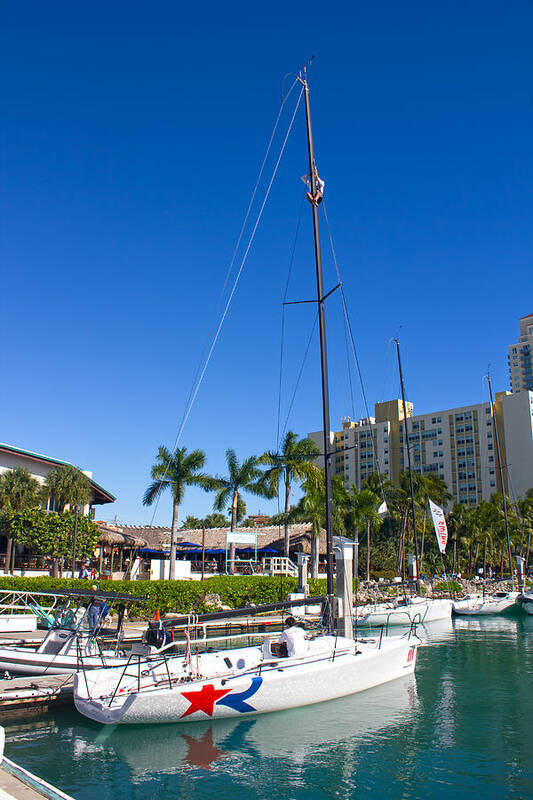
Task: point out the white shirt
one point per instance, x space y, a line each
294 637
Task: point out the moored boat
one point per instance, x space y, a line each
403 611
240 682
255 680
478 604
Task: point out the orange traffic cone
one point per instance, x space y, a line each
157 615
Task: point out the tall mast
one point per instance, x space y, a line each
500 470
323 350
406 438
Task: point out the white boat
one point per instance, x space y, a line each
241 682
71 643
253 680
525 601
403 611
18 623
478 604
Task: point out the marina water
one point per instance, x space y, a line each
462 727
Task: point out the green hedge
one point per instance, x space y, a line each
178 596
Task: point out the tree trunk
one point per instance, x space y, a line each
454 567
234 504
287 544
355 564
485 559
7 563
422 544
368 549
401 547
173 537
314 555
55 567
476 554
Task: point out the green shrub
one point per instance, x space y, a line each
176 596
448 586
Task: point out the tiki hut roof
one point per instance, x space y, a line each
268 536
114 536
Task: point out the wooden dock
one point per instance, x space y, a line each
27 695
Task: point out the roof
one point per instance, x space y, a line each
158 538
101 495
527 316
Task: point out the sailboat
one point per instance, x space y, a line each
478 604
254 680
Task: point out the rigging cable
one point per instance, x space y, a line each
282 337
201 372
352 342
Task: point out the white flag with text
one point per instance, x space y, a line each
439 521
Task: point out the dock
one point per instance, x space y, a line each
29 695
16 783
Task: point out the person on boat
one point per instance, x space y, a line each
292 641
93 612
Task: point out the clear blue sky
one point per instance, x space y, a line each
130 139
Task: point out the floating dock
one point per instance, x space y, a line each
16 783
27 695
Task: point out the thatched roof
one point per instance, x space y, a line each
114 536
267 536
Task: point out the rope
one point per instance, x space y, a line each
199 377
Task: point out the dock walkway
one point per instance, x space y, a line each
16 783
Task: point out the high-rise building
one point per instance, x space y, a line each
457 444
520 357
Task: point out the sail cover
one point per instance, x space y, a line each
439 521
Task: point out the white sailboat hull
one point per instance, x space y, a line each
326 673
416 610
479 605
13 623
525 601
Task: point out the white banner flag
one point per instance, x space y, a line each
439 521
382 509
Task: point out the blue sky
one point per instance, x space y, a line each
130 140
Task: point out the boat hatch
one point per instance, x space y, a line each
55 642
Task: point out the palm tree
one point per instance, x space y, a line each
241 477
293 463
362 511
67 486
176 471
18 490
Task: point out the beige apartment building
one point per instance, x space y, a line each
520 357
457 444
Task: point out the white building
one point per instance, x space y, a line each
39 466
457 444
520 357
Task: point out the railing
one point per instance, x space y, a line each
279 565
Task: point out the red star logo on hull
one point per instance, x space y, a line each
203 700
